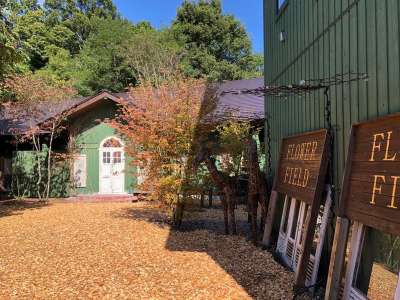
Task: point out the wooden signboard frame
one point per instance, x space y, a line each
301 174
369 197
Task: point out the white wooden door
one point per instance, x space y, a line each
291 231
111 172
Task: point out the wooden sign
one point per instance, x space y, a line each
371 184
301 165
301 174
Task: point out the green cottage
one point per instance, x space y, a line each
99 164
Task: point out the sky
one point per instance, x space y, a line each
161 12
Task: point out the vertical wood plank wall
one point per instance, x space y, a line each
325 38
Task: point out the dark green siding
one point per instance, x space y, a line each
325 38
89 131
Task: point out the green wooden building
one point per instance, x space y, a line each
99 165
317 39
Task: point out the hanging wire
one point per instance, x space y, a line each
331 137
269 152
303 88
306 87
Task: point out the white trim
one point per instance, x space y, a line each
321 240
291 258
285 216
281 247
355 244
397 294
111 149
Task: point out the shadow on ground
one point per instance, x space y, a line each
203 231
16 207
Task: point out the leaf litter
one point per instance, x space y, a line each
128 251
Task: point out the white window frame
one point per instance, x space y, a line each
82 183
283 240
356 244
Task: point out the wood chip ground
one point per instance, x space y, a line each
128 251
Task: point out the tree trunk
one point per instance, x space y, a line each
178 214
225 210
202 199
228 188
248 210
210 198
263 212
253 209
231 209
36 144
49 166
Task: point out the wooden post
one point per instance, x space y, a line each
337 259
210 198
202 200
270 219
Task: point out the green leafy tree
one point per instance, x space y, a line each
101 62
32 33
153 55
217 45
76 15
10 55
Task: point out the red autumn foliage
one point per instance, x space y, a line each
159 127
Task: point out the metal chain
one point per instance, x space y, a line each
331 136
269 155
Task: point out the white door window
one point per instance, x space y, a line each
374 265
291 235
112 167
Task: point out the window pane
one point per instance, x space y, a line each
286 216
280 3
106 157
111 143
378 269
317 231
294 222
303 226
117 157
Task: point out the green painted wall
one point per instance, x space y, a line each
89 132
324 38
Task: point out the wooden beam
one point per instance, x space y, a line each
337 259
270 219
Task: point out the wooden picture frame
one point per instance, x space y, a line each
369 198
301 174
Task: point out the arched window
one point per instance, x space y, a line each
112 143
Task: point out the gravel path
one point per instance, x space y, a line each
127 251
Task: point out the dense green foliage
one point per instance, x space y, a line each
85 43
9 55
217 45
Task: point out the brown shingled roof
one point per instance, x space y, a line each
242 106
